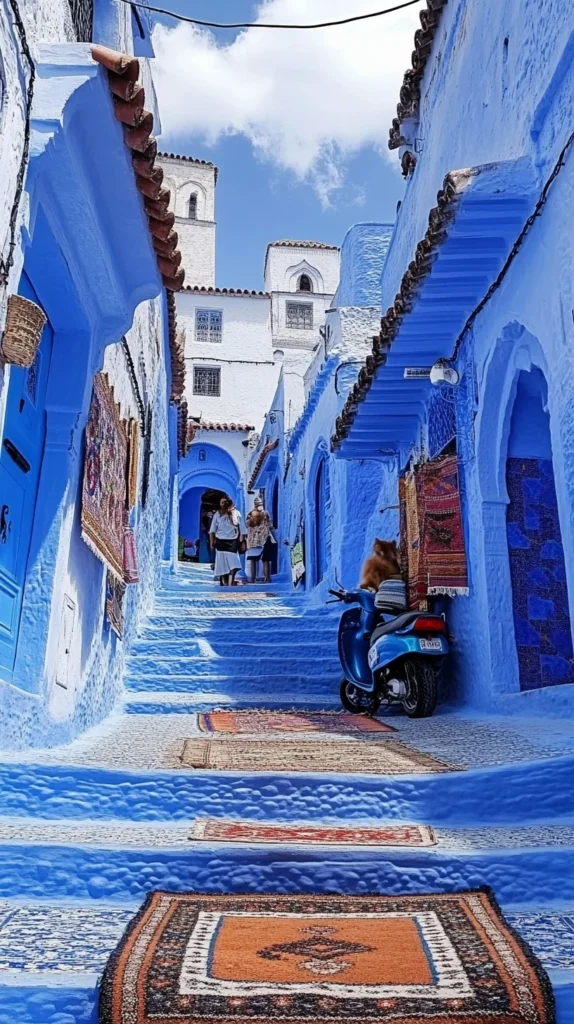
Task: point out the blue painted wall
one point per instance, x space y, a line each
95 286
514 401
363 255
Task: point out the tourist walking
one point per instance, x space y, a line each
260 541
227 537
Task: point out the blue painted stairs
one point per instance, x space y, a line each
87 830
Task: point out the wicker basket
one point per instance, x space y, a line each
23 331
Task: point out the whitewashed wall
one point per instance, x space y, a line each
248 370
196 237
358 488
282 263
283 268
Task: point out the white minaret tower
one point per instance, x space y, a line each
192 184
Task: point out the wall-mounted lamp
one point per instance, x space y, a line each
443 373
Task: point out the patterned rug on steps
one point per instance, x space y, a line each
344 756
220 830
446 959
255 722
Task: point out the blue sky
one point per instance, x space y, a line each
266 118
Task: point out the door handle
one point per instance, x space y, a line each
16 456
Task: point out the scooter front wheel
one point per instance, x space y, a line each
421 681
357 701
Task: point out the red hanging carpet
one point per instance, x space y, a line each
449 958
432 534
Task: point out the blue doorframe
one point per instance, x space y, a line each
20 462
318 501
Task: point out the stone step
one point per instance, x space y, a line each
158 703
52 977
121 777
112 869
256 664
236 598
206 622
236 683
207 588
208 646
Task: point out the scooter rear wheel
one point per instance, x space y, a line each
421 681
357 701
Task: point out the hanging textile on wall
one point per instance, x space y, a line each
298 554
115 592
432 536
133 457
104 484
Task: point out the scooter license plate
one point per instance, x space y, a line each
430 645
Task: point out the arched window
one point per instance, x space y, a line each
304 284
192 208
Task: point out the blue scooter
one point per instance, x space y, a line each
395 661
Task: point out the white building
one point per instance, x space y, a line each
192 185
236 341
301 279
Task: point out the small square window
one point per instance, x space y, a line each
208 325
300 316
207 381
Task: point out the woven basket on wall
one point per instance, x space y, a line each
23 331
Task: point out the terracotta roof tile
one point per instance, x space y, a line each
189 160
293 244
260 460
440 218
212 425
410 90
129 106
182 430
177 360
240 292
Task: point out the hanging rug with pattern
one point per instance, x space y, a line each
104 481
446 958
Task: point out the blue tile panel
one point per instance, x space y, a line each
537 570
441 420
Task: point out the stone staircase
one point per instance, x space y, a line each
86 830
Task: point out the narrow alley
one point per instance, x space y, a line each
222 774
286 512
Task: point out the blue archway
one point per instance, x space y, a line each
206 468
318 503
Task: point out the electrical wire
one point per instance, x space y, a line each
260 24
134 383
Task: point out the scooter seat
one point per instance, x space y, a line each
400 622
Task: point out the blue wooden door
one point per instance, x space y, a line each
20 460
320 534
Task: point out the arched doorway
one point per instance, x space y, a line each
207 473
196 509
537 568
209 505
319 498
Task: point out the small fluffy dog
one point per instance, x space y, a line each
383 563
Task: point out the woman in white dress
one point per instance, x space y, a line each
227 535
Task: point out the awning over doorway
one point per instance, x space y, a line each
479 213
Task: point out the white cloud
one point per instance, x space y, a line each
306 100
